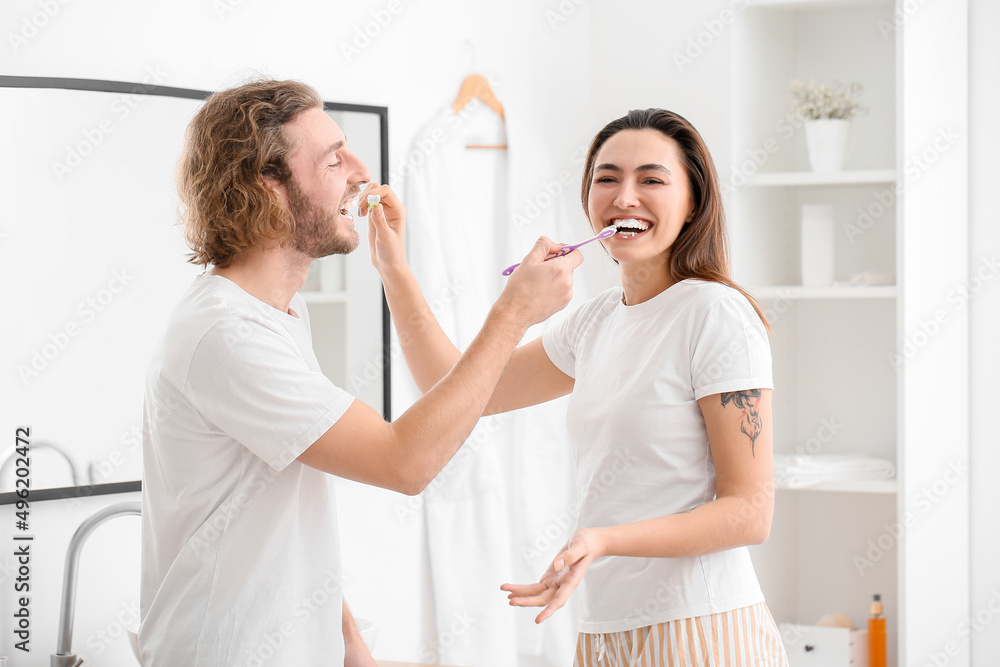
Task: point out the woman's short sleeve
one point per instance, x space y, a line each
730 349
562 342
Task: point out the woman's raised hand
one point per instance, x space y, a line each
562 577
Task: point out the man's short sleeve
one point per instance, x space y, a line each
249 378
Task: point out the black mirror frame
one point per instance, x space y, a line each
103 86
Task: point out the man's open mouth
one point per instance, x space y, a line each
348 205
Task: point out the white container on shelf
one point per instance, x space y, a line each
817 245
828 142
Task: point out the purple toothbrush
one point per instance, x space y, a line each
606 233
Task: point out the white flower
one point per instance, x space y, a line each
834 100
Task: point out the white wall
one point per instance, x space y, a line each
649 56
984 320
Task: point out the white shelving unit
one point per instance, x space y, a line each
799 178
835 391
857 486
789 292
855 368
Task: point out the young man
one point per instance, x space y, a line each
242 432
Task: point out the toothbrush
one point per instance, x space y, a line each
606 233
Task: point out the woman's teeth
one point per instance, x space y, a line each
629 227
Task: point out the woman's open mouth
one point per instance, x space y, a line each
629 228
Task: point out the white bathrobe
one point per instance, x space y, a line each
499 512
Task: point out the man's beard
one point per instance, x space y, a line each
315 228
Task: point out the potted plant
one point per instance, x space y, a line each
827 110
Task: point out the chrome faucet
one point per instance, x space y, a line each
9 456
63 657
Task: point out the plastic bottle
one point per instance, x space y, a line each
876 634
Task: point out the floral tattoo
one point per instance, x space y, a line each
749 402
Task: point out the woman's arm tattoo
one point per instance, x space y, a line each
750 423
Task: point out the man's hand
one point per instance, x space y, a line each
537 289
386 226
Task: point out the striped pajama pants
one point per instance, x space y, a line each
745 637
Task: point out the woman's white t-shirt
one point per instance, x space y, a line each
640 441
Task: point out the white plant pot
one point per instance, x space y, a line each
828 141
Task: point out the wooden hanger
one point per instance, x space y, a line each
476 86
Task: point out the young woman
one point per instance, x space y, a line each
670 413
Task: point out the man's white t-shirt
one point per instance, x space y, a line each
240 546
640 440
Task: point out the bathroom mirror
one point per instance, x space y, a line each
92 261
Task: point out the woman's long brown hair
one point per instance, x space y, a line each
701 250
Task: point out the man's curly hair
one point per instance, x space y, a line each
233 140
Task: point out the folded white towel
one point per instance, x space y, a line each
798 471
